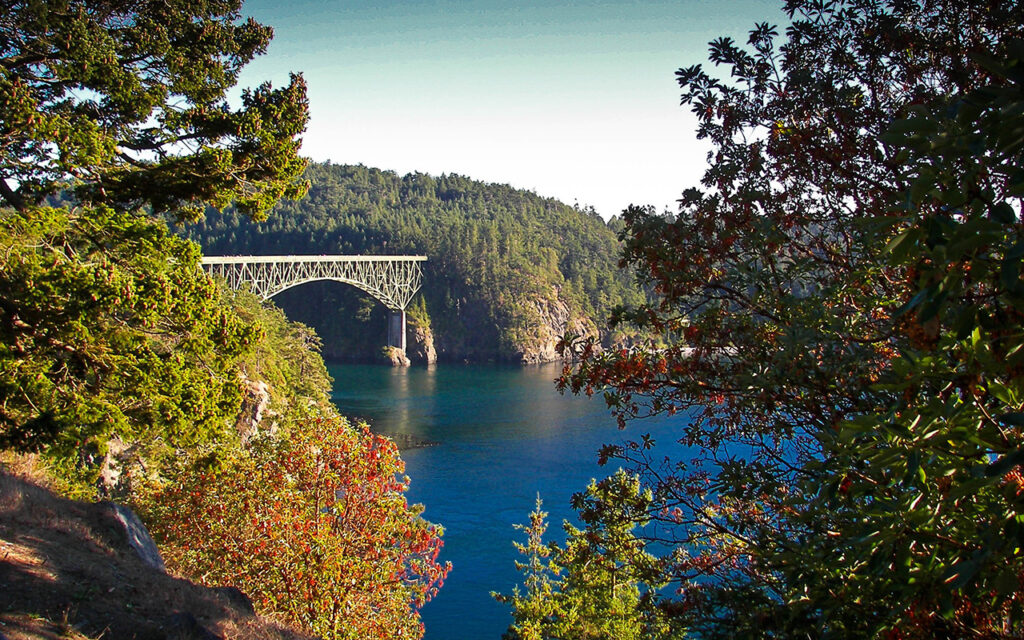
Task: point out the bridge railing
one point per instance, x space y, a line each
309 258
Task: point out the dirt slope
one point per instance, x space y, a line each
67 571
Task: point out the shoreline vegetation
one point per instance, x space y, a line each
856 247
127 374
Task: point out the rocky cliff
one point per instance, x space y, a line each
555 318
420 344
470 334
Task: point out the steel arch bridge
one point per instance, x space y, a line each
393 280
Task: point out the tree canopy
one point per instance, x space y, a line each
840 303
126 103
114 117
109 326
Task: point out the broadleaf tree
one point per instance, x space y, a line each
838 316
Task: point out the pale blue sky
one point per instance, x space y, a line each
573 100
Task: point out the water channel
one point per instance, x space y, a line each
502 436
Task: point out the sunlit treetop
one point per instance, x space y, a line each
126 101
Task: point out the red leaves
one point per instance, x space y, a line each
315 527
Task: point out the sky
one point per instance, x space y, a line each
574 100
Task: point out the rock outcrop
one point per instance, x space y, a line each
255 404
555 319
118 465
472 330
396 357
420 344
71 569
136 535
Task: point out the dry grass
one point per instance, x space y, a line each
27 627
25 467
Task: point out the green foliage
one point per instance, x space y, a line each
599 585
287 357
417 314
314 525
127 103
839 309
110 328
499 259
938 488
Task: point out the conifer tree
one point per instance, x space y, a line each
117 112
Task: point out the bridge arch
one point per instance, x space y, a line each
392 280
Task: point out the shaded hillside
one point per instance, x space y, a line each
508 270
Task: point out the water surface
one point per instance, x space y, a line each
503 435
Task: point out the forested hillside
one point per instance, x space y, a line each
508 272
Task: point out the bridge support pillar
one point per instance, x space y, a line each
396 328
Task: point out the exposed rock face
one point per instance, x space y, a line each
470 329
397 357
420 344
555 320
118 464
137 536
255 400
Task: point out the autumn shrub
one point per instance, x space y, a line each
312 523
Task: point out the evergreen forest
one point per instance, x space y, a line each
508 271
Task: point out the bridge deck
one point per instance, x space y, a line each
310 258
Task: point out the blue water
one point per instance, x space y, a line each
503 435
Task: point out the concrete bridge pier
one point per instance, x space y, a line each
396 328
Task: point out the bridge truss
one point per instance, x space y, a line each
393 280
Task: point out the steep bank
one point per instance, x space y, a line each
508 272
68 570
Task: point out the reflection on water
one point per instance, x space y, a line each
504 435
